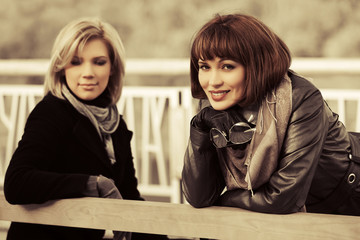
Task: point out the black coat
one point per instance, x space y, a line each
58 152
314 159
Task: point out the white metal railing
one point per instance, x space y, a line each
339 99
157 118
38 67
164 110
178 66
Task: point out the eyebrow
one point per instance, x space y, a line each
221 60
96 57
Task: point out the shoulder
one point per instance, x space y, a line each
304 91
301 84
53 110
51 103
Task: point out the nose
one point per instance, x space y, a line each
215 78
88 71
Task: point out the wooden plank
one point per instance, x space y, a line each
182 220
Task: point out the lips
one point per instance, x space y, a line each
218 95
88 86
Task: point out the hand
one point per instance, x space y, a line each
223 120
107 189
202 120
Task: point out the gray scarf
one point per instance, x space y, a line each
253 166
105 120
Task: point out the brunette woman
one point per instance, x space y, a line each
265 140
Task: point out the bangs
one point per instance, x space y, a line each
217 41
247 41
73 48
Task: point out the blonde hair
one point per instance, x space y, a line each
72 39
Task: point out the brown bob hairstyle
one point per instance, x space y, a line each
248 41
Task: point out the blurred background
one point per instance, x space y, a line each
162 30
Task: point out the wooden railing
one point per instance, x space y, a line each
182 220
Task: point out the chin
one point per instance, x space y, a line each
87 98
221 106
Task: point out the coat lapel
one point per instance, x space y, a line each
121 141
88 136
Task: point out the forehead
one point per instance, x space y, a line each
93 47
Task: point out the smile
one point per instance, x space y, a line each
218 95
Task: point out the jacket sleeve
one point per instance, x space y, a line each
31 176
288 187
202 180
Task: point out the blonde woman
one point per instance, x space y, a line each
75 143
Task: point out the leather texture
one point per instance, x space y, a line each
313 161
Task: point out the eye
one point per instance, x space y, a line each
100 62
228 67
75 61
203 66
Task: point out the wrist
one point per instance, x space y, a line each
91 188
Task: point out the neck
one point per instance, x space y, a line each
102 101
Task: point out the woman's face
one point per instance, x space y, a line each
87 75
223 81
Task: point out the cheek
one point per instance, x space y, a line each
69 78
105 82
105 73
240 87
238 81
238 92
70 73
203 83
105 79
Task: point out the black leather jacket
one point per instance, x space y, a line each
313 160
